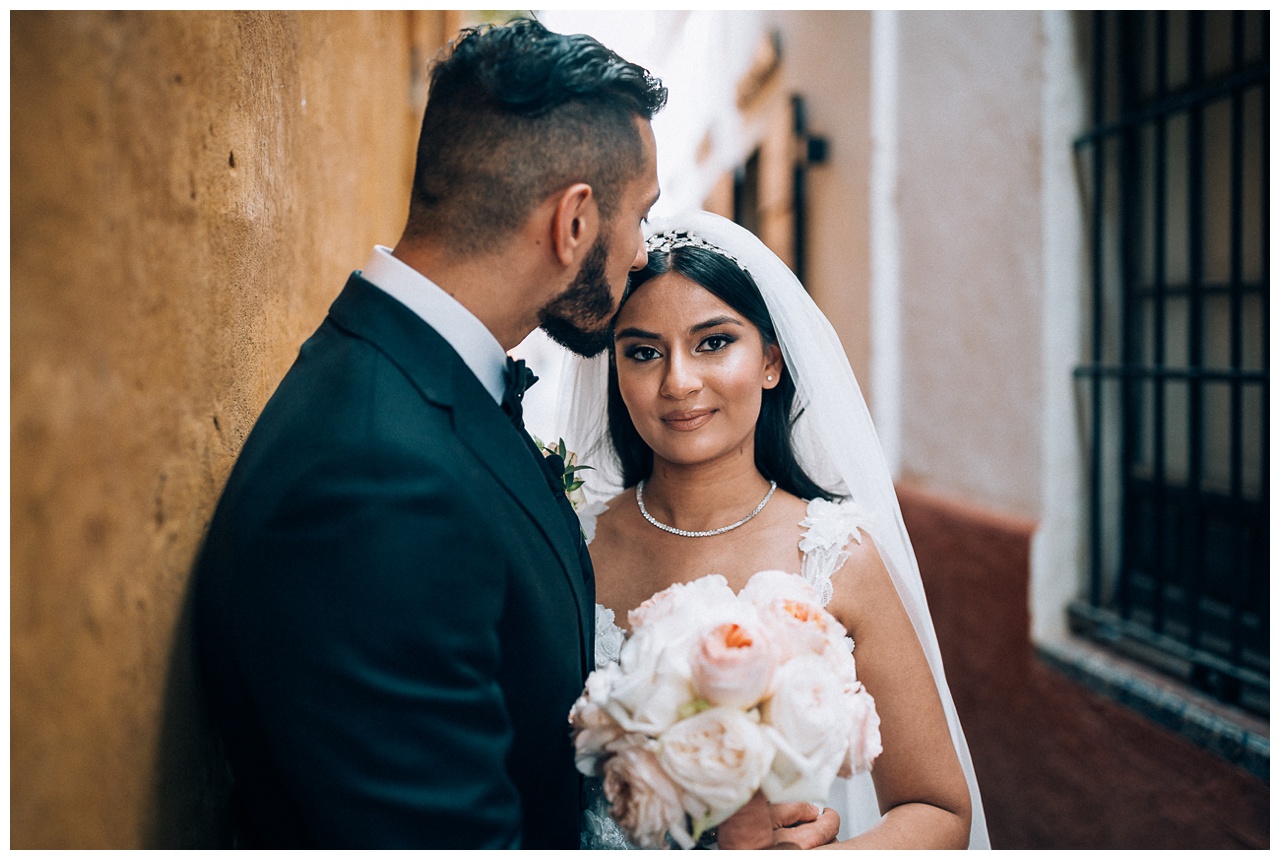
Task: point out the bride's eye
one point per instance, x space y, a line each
715 343
640 352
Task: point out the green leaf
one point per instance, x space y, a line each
697 706
700 826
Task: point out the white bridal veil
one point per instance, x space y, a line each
834 441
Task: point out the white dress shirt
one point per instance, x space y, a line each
474 343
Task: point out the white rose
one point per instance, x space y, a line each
864 732
652 687
839 654
807 720
593 728
679 604
769 585
718 757
643 799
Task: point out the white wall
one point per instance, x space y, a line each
1058 549
972 270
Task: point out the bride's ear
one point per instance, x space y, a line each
772 365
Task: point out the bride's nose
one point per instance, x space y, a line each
680 379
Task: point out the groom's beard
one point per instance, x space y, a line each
578 319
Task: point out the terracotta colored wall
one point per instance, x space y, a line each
1059 766
189 191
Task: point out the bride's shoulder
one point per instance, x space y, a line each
840 558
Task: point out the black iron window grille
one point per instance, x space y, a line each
1174 394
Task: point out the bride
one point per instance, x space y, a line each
727 426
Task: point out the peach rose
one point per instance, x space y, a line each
655 686
732 665
767 585
797 627
643 799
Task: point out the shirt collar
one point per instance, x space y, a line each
475 344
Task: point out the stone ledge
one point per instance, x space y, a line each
1234 736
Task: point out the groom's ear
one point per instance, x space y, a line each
575 223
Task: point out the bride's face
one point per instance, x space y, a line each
691 371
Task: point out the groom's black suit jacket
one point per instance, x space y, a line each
393 606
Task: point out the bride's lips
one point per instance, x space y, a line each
689 420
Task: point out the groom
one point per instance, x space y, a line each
394 605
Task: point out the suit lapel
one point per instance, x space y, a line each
495 441
480 424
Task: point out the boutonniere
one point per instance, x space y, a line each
565 464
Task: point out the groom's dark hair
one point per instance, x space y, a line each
516 113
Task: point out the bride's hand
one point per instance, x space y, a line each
761 824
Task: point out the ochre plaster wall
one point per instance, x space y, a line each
189 191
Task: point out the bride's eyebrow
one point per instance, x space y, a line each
714 322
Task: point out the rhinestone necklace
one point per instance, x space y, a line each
773 485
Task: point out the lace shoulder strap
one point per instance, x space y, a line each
829 526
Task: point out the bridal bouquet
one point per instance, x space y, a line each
717 696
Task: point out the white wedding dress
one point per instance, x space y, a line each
829 528
835 442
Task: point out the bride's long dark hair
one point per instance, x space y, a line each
721 277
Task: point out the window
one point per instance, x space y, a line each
1174 393
768 192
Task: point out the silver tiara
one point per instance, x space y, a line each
669 240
